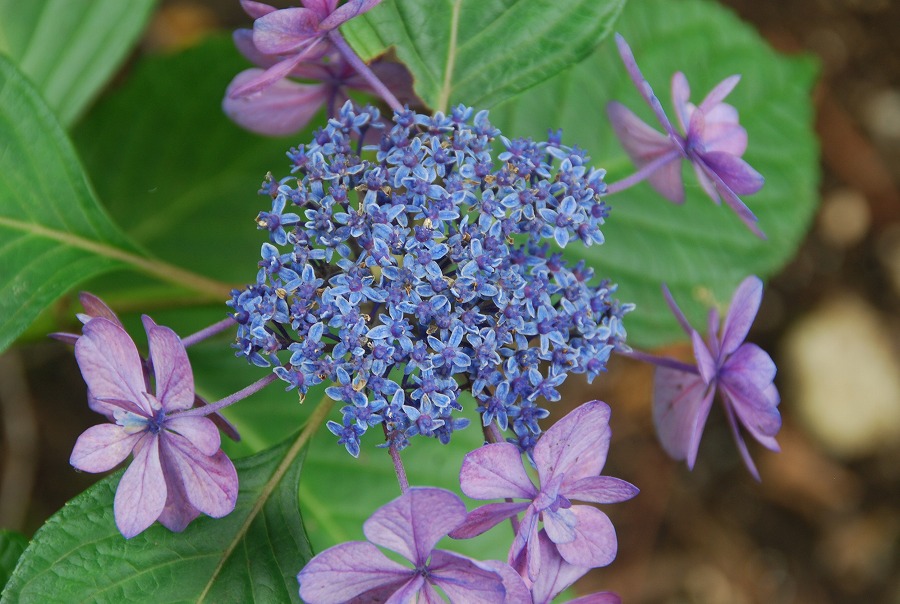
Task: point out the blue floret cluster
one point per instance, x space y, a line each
424 265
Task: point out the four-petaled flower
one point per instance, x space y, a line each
411 526
569 457
713 142
178 469
742 372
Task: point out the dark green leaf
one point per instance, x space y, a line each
12 544
251 555
70 48
53 232
480 52
701 250
174 171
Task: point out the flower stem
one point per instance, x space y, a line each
643 173
399 469
362 69
208 331
231 399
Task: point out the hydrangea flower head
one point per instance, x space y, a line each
740 371
410 526
568 457
405 272
178 469
712 141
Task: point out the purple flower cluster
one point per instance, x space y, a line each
418 267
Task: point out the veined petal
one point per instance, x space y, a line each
179 512
141 494
102 447
601 489
465 580
494 471
210 482
243 41
516 591
741 314
412 524
642 85
560 525
486 517
282 108
200 431
171 367
261 80
681 403
556 574
595 541
343 572
576 445
734 172
256 9
285 31
731 199
322 8
95 307
723 132
110 363
347 11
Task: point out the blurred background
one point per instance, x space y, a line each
824 524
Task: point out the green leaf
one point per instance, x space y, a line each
701 250
12 544
70 48
251 555
53 231
179 176
480 52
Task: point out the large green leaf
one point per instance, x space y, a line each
480 52
701 250
251 555
175 172
70 48
53 232
12 545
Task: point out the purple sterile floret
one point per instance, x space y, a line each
410 526
178 469
568 457
713 142
740 371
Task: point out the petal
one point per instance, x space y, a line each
413 523
487 516
722 132
601 597
642 85
706 364
110 363
744 306
560 525
601 489
200 431
595 539
644 145
171 367
495 471
576 445
681 93
737 174
280 109
178 512
345 571
285 31
556 574
464 579
210 482
261 80
102 447
141 494
718 94
322 8
741 445
243 41
95 307
256 9
516 590
347 11
731 199
681 404
673 306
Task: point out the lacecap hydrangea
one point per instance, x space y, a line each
425 265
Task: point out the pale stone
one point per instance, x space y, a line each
844 378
